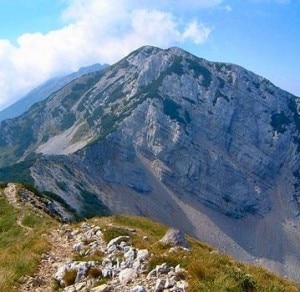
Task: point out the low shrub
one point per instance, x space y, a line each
94 273
69 277
112 232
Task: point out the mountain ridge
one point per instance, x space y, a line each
210 148
43 91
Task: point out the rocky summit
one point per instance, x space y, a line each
209 148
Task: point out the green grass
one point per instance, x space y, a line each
31 220
92 205
207 269
81 132
112 232
20 249
19 172
95 257
3 185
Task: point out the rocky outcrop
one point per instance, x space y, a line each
118 265
175 237
18 196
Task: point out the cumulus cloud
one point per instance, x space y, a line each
197 32
94 31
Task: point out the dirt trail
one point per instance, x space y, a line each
10 192
60 251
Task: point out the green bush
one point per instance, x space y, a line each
279 122
3 185
172 109
112 232
19 172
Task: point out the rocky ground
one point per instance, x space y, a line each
116 265
115 253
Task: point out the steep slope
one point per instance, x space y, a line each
43 91
210 148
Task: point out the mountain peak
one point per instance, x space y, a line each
177 51
150 51
147 49
139 55
183 137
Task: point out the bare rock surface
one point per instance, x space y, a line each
175 237
123 268
209 148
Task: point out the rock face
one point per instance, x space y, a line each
162 133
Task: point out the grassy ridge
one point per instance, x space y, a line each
207 269
21 243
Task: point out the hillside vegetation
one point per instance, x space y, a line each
23 240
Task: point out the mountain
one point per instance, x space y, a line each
43 91
118 253
206 147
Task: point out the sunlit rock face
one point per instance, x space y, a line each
201 146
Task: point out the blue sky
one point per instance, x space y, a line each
46 38
22 16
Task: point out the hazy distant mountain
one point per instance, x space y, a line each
43 91
210 148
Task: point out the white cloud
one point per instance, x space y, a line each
228 8
94 31
197 32
187 4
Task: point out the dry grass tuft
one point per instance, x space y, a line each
94 272
69 277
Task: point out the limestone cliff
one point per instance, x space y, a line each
210 148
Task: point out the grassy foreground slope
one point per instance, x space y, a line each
22 244
207 269
21 241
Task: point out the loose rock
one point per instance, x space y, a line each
175 237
